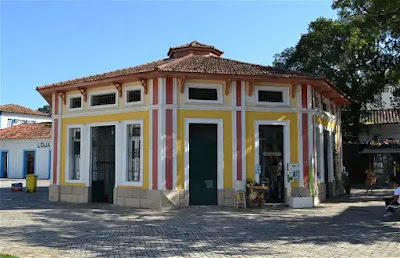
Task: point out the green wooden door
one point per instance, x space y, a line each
203 164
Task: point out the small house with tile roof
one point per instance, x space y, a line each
25 149
378 145
12 114
193 128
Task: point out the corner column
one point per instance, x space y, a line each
54 188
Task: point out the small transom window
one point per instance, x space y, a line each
203 94
103 99
134 96
75 102
270 96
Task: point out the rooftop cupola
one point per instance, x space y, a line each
194 48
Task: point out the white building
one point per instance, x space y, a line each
12 114
25 149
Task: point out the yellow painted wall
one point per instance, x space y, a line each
227 131
324 122
227 99
251 116
118 117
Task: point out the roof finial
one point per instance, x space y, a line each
195 48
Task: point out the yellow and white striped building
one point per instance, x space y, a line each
191 129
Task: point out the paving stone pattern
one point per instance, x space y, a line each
353 226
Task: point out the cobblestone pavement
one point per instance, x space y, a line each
353 226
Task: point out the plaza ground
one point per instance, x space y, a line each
30 226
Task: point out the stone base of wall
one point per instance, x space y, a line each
54 193
152 199
320 193
74 194
335 188
136 198
226 197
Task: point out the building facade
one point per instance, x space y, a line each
12 114
25 149
378 146
191 129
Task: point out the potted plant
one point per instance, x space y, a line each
346 182
250 182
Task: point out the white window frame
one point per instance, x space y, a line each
133 88
67 170
318 103
328 106
283 90
71 96
103 92
124 177
216 86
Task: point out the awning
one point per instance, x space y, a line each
379 150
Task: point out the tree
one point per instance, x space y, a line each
357 54
45 109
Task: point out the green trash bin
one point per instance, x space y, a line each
31 183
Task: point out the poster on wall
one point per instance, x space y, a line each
294 172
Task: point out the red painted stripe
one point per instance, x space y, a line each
304 96
306 165
238 93
169 91
55 151
169 149
239 145
56 104
155 91
155 148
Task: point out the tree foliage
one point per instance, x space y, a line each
358 52
45 109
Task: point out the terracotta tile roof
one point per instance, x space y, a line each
382 116
13 108
195 45
203 64
26 131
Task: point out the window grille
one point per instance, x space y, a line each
75 153
134 96
270 96
104 99
134 158
203 94
75 102
9 122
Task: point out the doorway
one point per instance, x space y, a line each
29 163
271 160
4 164
326 164
103 163
203 164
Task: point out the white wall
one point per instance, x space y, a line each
383 131
35 119
15 149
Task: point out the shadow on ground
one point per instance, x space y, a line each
106 230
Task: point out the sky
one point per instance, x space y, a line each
47 42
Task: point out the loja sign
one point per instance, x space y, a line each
43 145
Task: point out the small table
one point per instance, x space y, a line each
259 201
